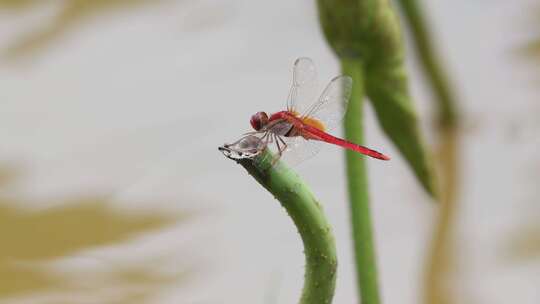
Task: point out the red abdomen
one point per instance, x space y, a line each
317 134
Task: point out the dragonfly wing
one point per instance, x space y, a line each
332 105
303 85
299 149
294 149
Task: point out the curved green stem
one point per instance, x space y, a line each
366 266
306 213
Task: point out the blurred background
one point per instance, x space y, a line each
112 189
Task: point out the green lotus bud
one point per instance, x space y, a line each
368 31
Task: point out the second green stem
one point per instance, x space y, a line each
364 248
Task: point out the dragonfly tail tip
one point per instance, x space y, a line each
383 157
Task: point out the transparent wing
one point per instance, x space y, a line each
332 105
299 150
303 86
296 151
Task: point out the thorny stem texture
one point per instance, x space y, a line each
307 214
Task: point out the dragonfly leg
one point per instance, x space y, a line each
267 137
278 156
278 146
283 142
280 149
253 132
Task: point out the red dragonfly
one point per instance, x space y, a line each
300 125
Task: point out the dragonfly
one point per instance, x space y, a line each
304 123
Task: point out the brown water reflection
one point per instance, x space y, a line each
33 242
70 14
18 4
525 244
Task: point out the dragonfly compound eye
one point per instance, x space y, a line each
258 120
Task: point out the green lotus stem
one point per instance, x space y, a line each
366 37
369 31
442 254
364 247
441 257
431 65
307 214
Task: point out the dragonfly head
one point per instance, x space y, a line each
258 120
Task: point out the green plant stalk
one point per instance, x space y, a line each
369 31
440 263
307 214
436 76
364 248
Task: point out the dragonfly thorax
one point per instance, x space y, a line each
259 120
